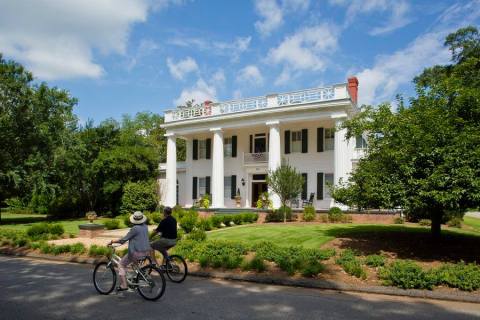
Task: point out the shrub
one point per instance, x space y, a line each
278 215
77 248
155 217
43 230
197 235
256 264
204 224
249 217
205 201
216 220
312 268
462 276
335 214
309 213
56 250
324 218
112 224
126 220
141 196
264 201
375 260
189 220
455 222
237 219
407 275
398 220
351 264
98 251
45 248
425 222
21 242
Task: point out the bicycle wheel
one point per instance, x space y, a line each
104 278
176 268
151 283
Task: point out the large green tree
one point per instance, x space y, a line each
424 157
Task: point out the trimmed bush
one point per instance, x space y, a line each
77 248
155 217
335 214
112 224
43 230
256 264
139 196
197 235
278 215
375 260
425 222
406 274
455 222
189 220
216 221
205 224
99 251
237 219
398 220
309 213
312 268
56 250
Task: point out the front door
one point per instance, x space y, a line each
257 189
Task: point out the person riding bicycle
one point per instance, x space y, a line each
138 246
168 230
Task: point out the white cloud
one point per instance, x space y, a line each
56 38
250 75
382 81
231 48
200 92
272 13
218 78
145 48
306 49
284 77
182 68
398 10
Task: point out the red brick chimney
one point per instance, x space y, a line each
353 89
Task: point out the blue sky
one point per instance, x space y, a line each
125 56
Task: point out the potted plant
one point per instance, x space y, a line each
238 198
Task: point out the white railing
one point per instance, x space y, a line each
251 104
254 158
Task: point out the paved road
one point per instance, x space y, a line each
39 289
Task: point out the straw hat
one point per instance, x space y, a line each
137 218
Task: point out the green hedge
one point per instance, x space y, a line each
45 230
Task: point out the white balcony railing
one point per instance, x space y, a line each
255 158
263 102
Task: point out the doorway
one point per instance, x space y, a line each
257 189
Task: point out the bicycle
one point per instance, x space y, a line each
174 266
148 279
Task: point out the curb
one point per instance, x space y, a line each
265 279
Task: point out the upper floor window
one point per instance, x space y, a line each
329 138
360 142
202 149
296 141
227 147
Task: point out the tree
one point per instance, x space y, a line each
286 182
425 157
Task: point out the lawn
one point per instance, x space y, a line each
16 221
474 223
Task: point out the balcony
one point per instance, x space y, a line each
255 158
334 92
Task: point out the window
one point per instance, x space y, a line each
329 138
202 149
227 187
360 142
227 147
328 183
202 186
296 141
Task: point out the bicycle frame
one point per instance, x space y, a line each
115 260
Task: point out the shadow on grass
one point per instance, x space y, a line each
408 243
22 220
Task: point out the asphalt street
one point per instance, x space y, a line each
40 289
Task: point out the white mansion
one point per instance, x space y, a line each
231 146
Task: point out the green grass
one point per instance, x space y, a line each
312 236
472 222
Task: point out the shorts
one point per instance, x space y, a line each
163 244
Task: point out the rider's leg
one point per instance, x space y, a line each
124 262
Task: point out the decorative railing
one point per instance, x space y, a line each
254 158
251 104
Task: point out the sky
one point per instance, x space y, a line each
126 56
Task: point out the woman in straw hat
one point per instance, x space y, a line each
138 246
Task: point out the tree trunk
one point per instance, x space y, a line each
436 224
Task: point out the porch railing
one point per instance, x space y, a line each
254 158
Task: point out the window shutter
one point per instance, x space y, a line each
251 143
194 188
287 141
320 139
320 186
207 185
233 191
195 149
304 140
209 148
234 146
304 188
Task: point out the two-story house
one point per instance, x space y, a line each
232 145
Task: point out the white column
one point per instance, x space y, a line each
274 156
341 156
217 169
188 173
171 190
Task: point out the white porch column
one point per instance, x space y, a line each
188 173
217 169
171 190
341 152
274 156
